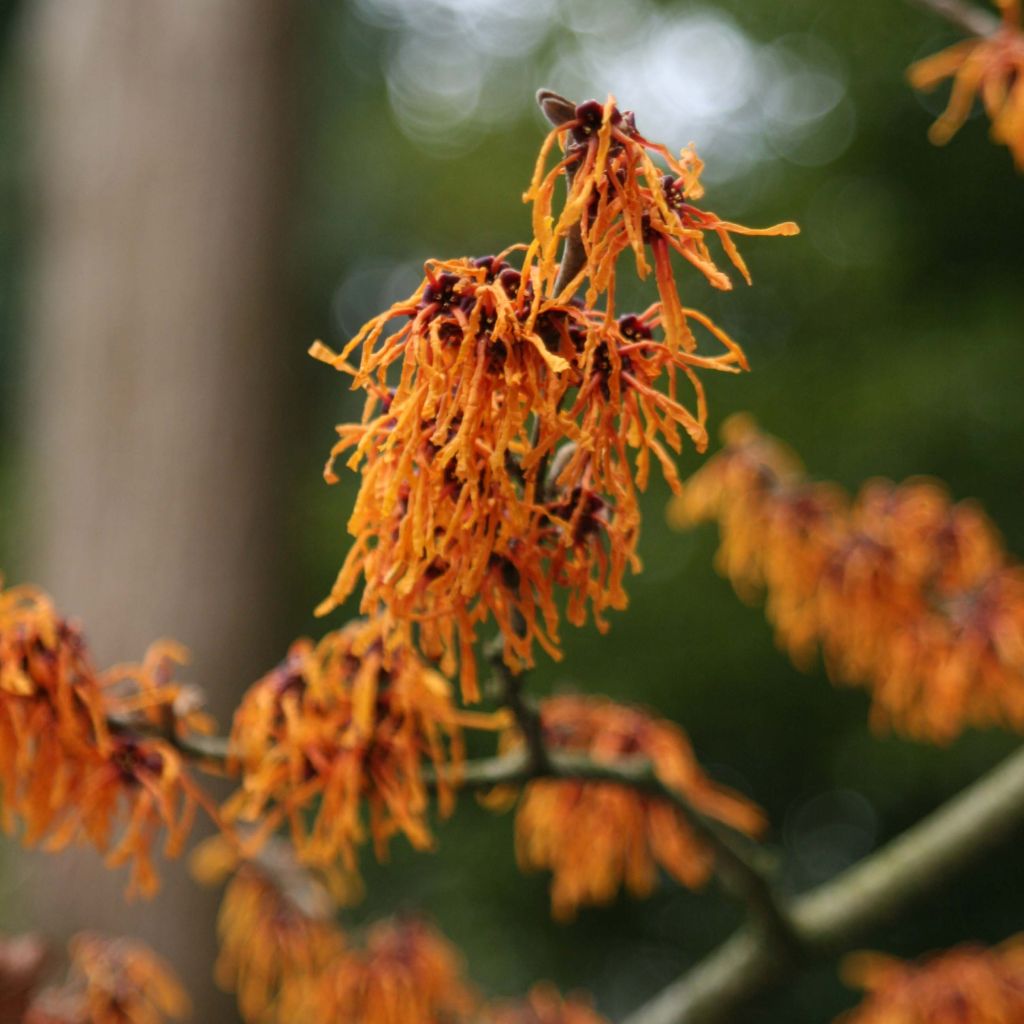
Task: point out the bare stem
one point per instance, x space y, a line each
526 714
207 750
558 110
834 916
964 15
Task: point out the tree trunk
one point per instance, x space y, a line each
157 326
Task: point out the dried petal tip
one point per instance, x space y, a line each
557 109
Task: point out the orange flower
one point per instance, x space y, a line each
276 930
966 985
991 67
351 720
407 972
623 401
65 772
448 482
619 199
596 837
902 590
126 799
51 712
544 1005
282 953
112 981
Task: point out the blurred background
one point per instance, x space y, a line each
193 192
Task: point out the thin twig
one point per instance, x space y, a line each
211 749
964 15
526 714
835 916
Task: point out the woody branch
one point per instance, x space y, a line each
833 917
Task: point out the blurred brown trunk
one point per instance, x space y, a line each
157 328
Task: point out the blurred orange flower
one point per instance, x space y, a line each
902 590
406 972
596 837
276 930
112 981
544 1005
991 67
51 712
966 985
287 960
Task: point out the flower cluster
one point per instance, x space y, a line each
111 981
991 67
287 960
966 985
508 426
544 1005
351 720
902 589
596 837
78 758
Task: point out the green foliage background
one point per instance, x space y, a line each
885 340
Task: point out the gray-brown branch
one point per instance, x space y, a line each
833 917
738 863
525 713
